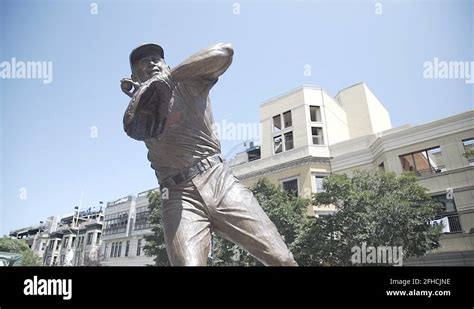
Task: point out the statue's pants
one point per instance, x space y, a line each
217 200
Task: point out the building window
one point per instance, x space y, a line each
127 247
43 245
315 113
139 247
291 186
448 214
424 162
317 134
277 144
282 140
97 241
116 249
73 241
468 148
112 250
120 249
58 244
116 223
89 238
66 240
287 119
63 257
447 204
277 123
105 249
454 224
288 140
319 180
141 220
381 167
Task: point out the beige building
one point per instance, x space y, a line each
298 129
307 134
434 151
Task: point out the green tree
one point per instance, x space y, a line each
381 209
155 243
286 211
226 253
20 246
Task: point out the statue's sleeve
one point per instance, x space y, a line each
206 64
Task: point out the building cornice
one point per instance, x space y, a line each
288 93
410 136
284 166
348 87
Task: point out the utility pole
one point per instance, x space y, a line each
77 209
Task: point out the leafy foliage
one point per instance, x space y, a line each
381 209
286 211
155 243
20 246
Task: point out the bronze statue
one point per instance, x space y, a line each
171 112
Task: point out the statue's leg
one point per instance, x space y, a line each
240 219
237 216
186 227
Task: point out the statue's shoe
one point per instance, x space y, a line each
148 110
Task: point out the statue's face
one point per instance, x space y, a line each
149 66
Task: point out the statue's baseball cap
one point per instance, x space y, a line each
145 50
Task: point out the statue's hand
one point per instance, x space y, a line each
163 86
129 87
148 110
161 78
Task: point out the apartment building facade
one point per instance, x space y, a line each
76 240
125 227
307 134
111 237
435 153
72 239
37 235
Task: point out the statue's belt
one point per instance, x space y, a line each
192 171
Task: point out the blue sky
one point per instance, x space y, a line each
45 129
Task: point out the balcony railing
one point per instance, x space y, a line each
431 171
454 224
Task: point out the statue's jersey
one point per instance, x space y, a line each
188 134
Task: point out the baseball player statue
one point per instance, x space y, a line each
171 112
